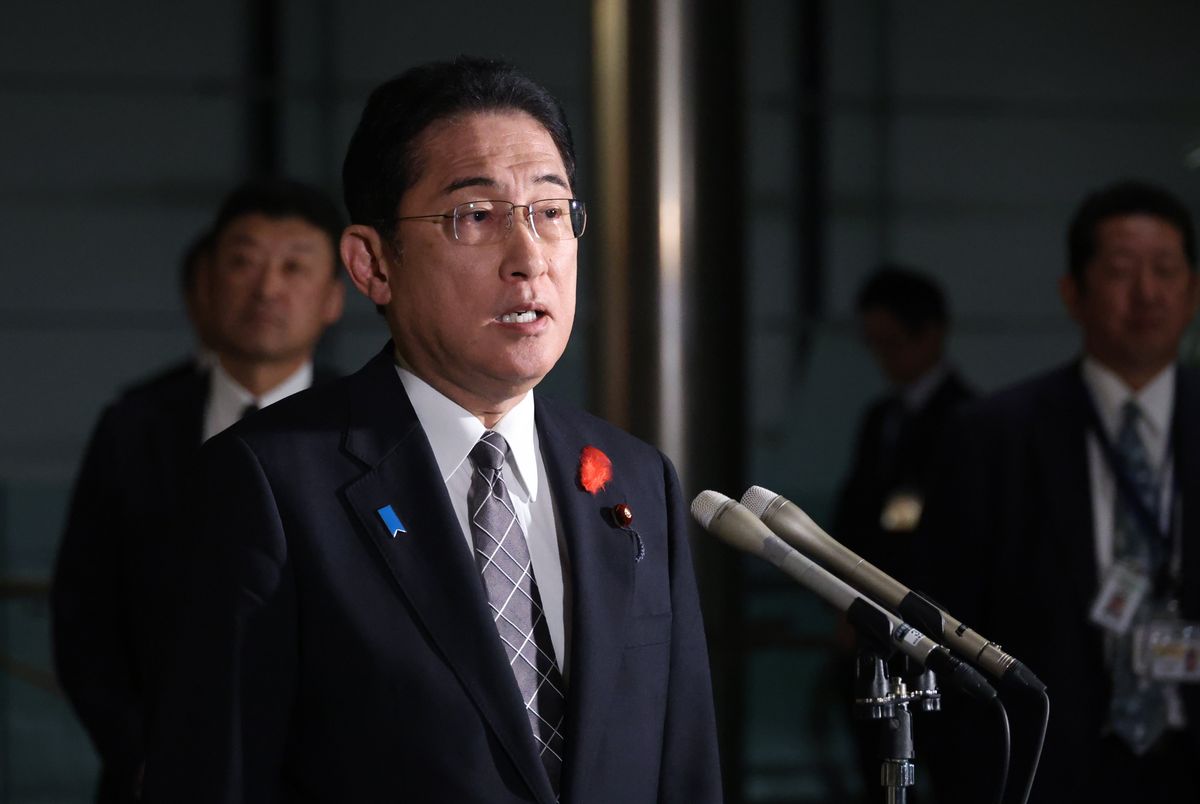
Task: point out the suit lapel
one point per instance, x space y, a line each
430 562
601 558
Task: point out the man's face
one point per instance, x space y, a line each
482 324
903 356
270 289
1136 298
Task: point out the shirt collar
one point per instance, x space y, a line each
453 431
1110 393
228 392
227 399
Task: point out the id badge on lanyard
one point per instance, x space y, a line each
1167 650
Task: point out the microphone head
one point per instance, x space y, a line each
705 506
783 516
757 499
731 522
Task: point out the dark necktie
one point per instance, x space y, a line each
503 558
1138 710
251 407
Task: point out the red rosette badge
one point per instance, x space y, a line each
595 469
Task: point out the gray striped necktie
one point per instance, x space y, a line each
503 558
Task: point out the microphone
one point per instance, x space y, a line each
797 529
734 524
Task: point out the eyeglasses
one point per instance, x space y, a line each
478 223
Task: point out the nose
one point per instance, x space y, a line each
271 280
1147 285
524 252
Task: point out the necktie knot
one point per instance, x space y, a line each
488 453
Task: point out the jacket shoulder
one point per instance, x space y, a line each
1055 388
596 430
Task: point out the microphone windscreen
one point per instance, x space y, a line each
705 506
757 499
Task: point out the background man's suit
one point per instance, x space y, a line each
1013 532
333 661
111 576
117 568
894 452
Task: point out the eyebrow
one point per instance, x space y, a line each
484 181
301 246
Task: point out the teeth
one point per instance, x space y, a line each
526 317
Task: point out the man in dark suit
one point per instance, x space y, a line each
1069 506
904 320
427 583
260 289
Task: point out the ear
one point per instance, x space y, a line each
1070 293
362 252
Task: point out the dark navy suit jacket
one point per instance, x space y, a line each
324 659
118 568
1013 539
112 569
884 466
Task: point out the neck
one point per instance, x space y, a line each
258 377
489 411
1136 377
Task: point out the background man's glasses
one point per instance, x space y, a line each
477 223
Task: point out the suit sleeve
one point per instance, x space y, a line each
691 770
958 528
959 520
91 625
222 720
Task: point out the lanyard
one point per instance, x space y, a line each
1165 546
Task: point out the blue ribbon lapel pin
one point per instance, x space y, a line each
391 521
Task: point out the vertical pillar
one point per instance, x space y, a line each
668 119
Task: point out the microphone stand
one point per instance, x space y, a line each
891 700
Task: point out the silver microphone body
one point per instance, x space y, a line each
736 525
795 527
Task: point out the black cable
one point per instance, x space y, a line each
1037 757
1006 753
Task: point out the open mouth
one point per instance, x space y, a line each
520 317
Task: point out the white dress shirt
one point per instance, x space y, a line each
227 399
453 432
1156 400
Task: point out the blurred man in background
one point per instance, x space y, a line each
260 288
904 320
1066 529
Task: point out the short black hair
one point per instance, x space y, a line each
913 298
282 198
1126 197
382 162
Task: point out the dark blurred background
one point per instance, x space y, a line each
746 165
